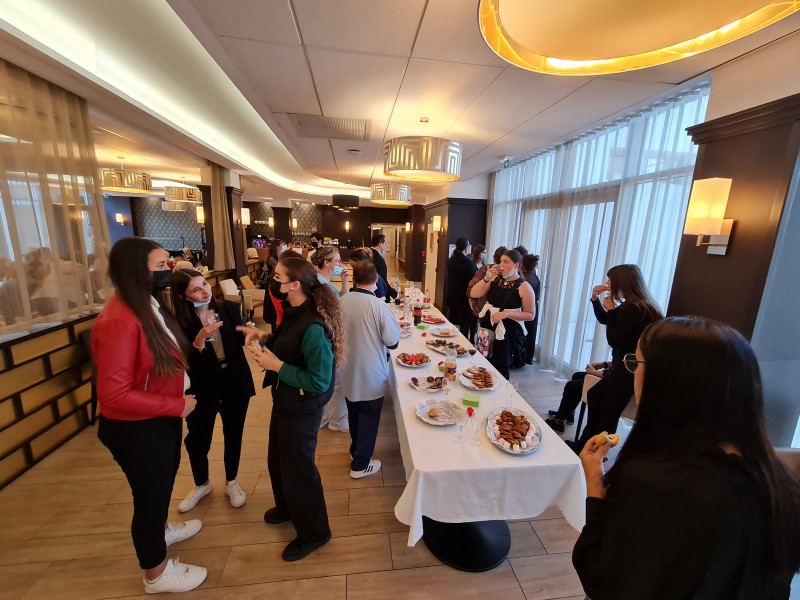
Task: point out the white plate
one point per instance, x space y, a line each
430 321
422 366
437 331
449 412
424 386
467 382
443 350
406 333
537 433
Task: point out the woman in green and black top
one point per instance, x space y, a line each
300 359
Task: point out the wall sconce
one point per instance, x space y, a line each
120 218
294 223
437 223
270 221
347 226
706 214
201 218
408 227
245 216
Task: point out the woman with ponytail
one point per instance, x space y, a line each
300 359
141 380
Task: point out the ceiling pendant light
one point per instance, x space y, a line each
620 36
125 182
344 201
422 158
396 194
182 194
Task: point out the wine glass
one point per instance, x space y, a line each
512 387
475 441
212 317
472 351
461 422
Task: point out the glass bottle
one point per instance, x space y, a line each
450 366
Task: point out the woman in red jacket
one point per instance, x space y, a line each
140 389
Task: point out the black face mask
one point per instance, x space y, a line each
315 244
162 279
275 289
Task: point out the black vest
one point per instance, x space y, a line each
287 345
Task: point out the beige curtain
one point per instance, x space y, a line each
53 235
221 224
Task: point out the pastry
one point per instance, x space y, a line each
433 413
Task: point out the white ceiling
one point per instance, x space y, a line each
394 62
390 62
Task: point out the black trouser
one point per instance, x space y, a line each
606 401
530 338
200 423
149 453
470 327
365 417
571 398
296 483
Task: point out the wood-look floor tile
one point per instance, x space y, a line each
556 534
263 563
374 500
23 524
338 478
365 524
263 485
394 475
405 557
19 579
66 548
323 588
56 495
435 582
524 541
89 520
546 577
385 444
74 475
69 580
218 536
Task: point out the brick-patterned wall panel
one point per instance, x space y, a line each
45 395
167 227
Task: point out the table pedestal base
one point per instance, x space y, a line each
475 547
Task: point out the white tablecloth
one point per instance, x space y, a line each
455 483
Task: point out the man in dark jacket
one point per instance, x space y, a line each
460 270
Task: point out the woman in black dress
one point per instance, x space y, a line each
626 309
221 381
697 505
509 299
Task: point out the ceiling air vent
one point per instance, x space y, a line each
316 126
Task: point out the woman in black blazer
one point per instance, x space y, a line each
220 380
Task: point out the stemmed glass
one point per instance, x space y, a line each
475 441
461 422
512 387
212 317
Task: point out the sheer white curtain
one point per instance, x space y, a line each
615 195
53 234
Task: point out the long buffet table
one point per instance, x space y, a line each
452 483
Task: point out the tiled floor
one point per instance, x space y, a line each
65 529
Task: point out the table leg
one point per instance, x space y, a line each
475 547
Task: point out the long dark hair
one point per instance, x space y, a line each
325 302
627 282
185 313
701 389
477 250
529 263
128 270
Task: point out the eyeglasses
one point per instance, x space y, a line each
632 363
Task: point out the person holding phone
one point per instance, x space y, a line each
221 380
141 380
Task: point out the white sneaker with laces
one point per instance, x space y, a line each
373 467
194 496
235 493
177 577
177 531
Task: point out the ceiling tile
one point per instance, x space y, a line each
441 91
265 20
277 72
356 85
379 27
450 32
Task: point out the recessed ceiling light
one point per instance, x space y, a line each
354 151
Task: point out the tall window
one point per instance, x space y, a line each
53 237
615 195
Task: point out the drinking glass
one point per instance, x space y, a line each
461 422
512 387
475 441
212 317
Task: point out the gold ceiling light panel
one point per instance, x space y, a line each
182 194
395 194
625 35
125 182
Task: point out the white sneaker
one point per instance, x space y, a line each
177 577
194 496
177 532
344 426
373 467
235 493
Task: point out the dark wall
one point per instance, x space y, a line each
259 211
283 223
122 205
233 196
333 222
415 247
756 148
173 230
